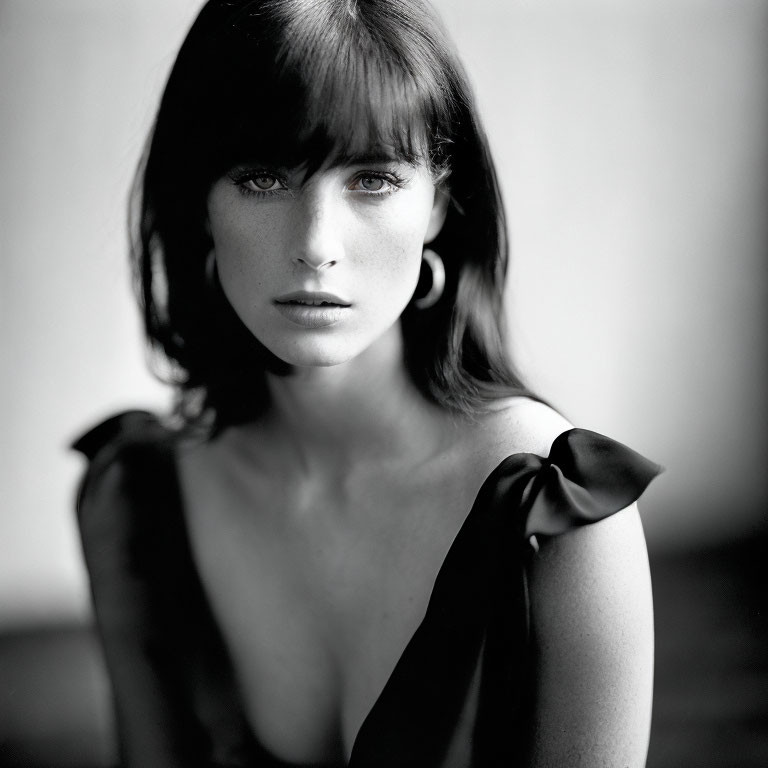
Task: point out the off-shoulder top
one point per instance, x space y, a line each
176 698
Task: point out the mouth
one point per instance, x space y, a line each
312 309
312 299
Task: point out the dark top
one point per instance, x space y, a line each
175 695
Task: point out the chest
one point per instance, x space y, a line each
318 592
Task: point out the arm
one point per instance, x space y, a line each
592 632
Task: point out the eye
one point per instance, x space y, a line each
257 181
376 183
372 183
262 182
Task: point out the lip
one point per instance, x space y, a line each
312 309
312 298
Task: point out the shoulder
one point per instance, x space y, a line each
521 425
123 437
584 485
129 470
573 476
121 441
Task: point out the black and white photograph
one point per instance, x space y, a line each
384 383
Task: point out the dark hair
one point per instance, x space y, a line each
262 73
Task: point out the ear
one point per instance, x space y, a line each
439 212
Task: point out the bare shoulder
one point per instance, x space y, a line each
592 629
522 425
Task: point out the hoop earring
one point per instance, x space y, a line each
435 263
210 269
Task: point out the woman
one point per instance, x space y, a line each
320 250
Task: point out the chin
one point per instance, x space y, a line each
333 347
313 356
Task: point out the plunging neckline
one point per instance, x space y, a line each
369 721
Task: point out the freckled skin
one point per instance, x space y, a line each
332 233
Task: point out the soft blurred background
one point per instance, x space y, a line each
632 143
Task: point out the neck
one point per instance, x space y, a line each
367 408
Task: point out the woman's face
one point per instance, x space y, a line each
319 269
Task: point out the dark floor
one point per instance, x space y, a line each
711 698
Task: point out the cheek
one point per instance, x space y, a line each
389 274
395 246
243 248
241 278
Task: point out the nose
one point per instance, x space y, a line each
317 227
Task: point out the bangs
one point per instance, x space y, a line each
304 82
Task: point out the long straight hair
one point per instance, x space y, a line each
304 81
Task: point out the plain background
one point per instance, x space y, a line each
630 138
